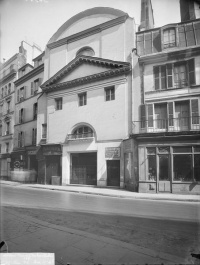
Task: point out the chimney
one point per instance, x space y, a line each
147 19
189 9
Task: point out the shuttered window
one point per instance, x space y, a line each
171 113
175 75
190 38
195 111
143 115
150 115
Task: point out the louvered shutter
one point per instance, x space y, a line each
169 76
190 34
163 77
143 115
195 111
148 43
156 77
31 88
171 113
23 115
150 115
18 95
182 40
191 72
23 138
19 139
20 119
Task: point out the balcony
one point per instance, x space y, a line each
166 125
81 136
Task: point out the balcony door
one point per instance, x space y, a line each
160 111
182 115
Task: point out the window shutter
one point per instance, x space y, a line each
23 138
18 95
190 34
31 88
156 41
195 111
169 76
163 76
156 77
148 43
191 72
20 116
143 115
24 92
182 40
19 139
197 31
150 115
170 113
23 115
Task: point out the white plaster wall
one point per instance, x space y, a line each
57 60
86 23
108 118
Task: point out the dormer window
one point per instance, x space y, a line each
169 38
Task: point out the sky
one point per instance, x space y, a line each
35 21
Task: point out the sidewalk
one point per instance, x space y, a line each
25 234
110 192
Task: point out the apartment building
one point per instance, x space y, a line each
168 129
8 75
27 91
86 109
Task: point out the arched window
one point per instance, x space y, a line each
83 132
88 51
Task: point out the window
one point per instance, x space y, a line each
9 88
175 75
82 98
58 102
169 38
8 106
21 115
7 147
35 111
44 131
21 94
0 130
110 93
0 148
35 86
151 163
83 132
86 51
21 141
7 128
34 136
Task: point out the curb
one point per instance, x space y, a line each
146 197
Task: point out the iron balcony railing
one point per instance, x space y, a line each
80 136
166 125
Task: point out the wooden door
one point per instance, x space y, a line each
52 167
113 173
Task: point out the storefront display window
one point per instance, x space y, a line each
183 167
151 167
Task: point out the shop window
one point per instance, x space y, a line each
110 93
169 38
151 164
182 149
182 167
197 167
58 102
82 98
175 75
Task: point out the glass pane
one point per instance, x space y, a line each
197 167
152 167
182 149
197 149
164 150
182 167
151 150
164 167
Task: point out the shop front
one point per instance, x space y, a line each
169 167
5 166
49 164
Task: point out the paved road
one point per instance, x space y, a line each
45 199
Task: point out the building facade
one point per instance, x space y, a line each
86 110
168 130
27 91
8 75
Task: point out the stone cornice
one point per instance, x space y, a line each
88 32
8 77
29 75
116 68
168 55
